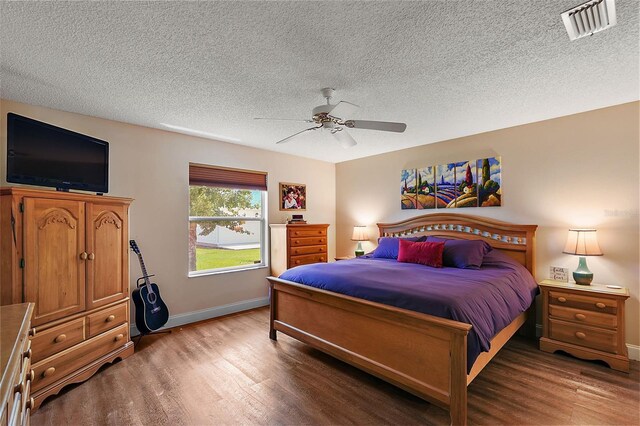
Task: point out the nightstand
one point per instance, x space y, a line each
586 321
344 258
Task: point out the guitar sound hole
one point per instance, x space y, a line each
151 298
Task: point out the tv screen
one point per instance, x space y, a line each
45 155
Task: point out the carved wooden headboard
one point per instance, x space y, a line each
518 241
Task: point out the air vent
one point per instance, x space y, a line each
589 18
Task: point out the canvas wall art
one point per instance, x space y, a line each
474 183
490 182
426 188
466 187
445 185
408 189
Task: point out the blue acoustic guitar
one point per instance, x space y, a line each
151 312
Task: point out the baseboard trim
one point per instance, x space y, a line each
205 314
634 351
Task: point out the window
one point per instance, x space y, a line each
227 219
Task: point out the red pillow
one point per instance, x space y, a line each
426 253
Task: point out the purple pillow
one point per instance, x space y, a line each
463 254
388 247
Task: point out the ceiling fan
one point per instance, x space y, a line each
335 119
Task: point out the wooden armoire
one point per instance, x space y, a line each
68 254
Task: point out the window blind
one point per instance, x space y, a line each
226 178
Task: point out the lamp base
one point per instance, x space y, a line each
359 250
583 275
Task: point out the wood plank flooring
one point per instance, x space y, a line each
227 371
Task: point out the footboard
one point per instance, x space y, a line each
423 354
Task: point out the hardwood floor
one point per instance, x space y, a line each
227 371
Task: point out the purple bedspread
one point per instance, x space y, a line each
489 298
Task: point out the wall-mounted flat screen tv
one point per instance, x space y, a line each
45 155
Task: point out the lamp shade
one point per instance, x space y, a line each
360 233
582 242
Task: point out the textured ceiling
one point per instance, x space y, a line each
446 68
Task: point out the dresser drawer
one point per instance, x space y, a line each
305 260
590 337
296 233
106 319
307 241
56 339
60 365
297 251
581 316
591 303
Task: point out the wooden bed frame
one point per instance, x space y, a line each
423 354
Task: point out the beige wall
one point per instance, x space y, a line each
151 166
575 171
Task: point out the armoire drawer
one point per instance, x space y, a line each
106 319
297 233
307 241
297 251
305 260
60 365
56 339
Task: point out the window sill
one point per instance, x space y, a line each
224 271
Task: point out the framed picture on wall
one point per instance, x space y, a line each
293 196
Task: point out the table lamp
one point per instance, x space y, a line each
359 234
582 242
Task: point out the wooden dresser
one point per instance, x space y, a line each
15 364
68 254
297 244
586 321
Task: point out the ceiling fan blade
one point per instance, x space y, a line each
284 119
345 139
288 138
386 126
343 109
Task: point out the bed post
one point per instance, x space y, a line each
272 311
458 380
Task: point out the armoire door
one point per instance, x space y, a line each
108 248
54 257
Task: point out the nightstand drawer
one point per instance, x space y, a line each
579 301
595 338
581 316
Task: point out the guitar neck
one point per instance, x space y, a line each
145 275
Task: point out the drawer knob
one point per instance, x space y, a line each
118 337
600 305
49 372
110 318
31 376
92 256
28 353
562 299
30 405
297 262
580 335
581 317
84 255
61 338
322 258
297 242
296 233
19 388
32 332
